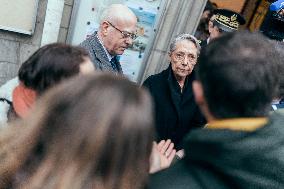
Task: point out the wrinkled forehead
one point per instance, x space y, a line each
185 46
128 24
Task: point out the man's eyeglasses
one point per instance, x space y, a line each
124 34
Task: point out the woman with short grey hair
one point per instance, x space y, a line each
182 37
176 110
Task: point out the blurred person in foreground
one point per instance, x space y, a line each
241 146
116 32
176 112
94 131
47 67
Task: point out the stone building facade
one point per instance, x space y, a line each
15 48
53 24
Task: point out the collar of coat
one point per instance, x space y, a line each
109 56
239 124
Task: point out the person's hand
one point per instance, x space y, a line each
162 155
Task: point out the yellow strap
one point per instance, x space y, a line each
241 124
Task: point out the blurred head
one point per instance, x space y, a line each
117 28
94 131
183 54
53 63
237 76
207 10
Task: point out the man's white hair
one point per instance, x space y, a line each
117 12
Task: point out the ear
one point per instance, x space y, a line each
104 28
201 101
198 93
210 29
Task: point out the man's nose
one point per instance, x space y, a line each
129 41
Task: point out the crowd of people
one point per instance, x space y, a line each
213 119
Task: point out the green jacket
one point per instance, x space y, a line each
222 158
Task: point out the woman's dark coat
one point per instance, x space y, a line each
176 113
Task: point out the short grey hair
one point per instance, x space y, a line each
116 12
185 36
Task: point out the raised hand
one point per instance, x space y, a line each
162 155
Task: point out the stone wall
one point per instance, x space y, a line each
65 21
177 17
15 48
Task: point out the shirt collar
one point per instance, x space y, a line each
107 53
208 40
239 124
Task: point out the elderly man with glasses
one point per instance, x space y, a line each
176 112
115 34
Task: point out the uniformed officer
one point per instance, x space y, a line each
223 20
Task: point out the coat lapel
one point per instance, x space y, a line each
188 93
99 52
172 87
98 55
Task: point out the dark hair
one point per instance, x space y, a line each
50 64
238 73
97 134
208 6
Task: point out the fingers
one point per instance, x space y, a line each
161 144
171 156
169 149
162 155
165 146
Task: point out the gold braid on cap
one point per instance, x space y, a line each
230 22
